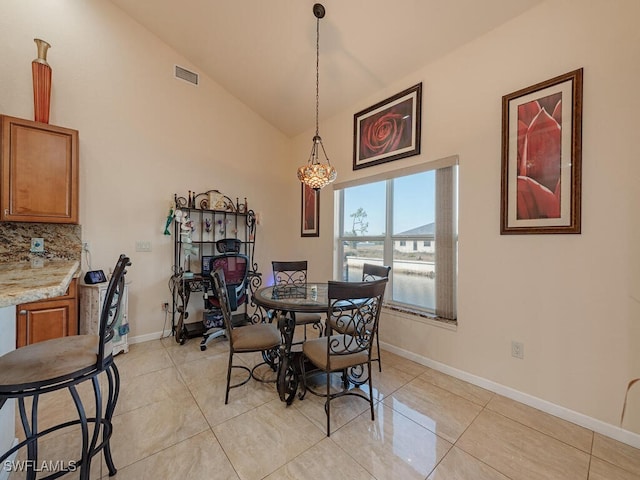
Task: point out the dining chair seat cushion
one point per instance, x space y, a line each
261 336
305 318
47 361
316 351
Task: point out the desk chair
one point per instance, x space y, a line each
258 337
295 273
236 269
355 307
40 368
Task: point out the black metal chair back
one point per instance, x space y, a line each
290 273
354 308
111 308
221 289
374 272
295 273
371 272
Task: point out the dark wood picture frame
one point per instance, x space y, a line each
388 130
542 157
310 208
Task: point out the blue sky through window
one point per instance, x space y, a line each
414 203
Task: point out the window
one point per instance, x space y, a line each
407 221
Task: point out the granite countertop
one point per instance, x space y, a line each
22 282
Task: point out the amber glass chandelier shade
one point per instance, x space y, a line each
41 72
317 174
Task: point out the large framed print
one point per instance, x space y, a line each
542 157
388 130
310 222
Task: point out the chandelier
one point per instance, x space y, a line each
317 174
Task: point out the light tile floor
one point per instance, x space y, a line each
171 423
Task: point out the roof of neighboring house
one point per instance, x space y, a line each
428 229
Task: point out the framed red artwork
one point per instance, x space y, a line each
388 130
310 221
542 157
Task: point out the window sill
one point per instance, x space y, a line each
422 316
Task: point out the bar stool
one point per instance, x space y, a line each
44 367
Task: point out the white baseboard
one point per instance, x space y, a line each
4 474
612 431
148 337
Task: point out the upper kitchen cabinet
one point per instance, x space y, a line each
39 168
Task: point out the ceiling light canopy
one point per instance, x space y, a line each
317 174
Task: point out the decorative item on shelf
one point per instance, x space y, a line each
187 227
41 72
209 200
241 207
170 218
317 174
222 226
207 233
214 198
189 249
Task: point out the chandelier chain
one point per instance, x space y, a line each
317 73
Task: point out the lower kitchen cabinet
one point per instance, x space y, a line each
46 319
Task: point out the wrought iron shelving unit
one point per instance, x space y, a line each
214 217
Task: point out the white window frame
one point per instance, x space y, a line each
446 235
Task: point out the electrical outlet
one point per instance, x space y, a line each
165 306
37 245
86 246
517 349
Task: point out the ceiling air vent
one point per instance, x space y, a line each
186 75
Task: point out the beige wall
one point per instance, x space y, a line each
143 137
573 300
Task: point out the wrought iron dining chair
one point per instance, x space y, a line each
64 363
295 273
371 272
355 307
251 338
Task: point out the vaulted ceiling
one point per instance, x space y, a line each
263 51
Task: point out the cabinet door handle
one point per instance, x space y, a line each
22 312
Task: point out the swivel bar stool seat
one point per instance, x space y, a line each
64 363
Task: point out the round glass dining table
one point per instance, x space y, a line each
293 298
288 300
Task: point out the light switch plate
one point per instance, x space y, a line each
143 245
37 245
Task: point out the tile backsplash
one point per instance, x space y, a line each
61 241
